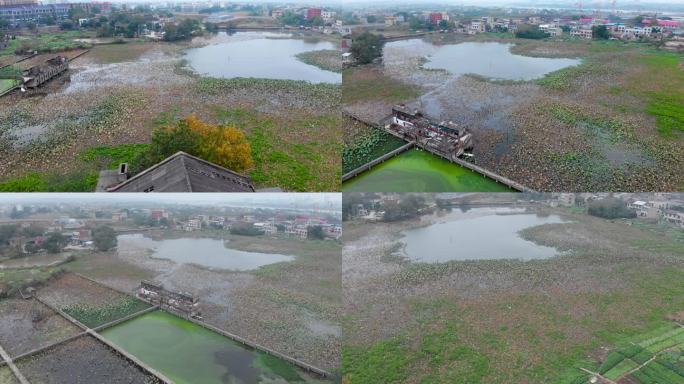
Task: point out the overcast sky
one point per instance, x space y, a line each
301 200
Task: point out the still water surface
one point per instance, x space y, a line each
491 60
190 354
260 55
479 234
205 252
421 171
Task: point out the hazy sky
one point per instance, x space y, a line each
302 200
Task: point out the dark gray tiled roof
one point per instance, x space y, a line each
186 173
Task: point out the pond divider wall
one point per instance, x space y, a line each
372 163
111 345
305 366
49 346
102 327
261 348
475 168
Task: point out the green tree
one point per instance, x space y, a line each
166 142
6 233
315 232
245 229
600 32
610 208
55 242
530 32
33 231
104 238
366 47
443 24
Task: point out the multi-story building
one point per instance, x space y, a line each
551 29
33 12
328 16
674 216
313 12
583 33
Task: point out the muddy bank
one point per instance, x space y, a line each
542 308
82 361
26 325
290 307
557 132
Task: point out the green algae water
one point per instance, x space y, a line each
420 171
190 354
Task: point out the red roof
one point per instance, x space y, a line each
663 23
586 20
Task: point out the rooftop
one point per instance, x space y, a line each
182 172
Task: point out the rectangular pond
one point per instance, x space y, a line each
477 234
421 171
190 354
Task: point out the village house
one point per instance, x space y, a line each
476 27
193 225
277 13
298 231
582 33
268 227
551 29
675 217
328 16
390 21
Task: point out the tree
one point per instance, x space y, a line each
610 208
33 231
226 146
366 47
443 24
181 31
317 21
6 233
66 25
165 142
600 32
245 229
211 27
55 242
530 32
47 20
105 30
409 206
315 232
104 238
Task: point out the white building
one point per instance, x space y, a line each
328 16
582 33
476 27
551 29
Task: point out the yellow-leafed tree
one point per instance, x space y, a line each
225 145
